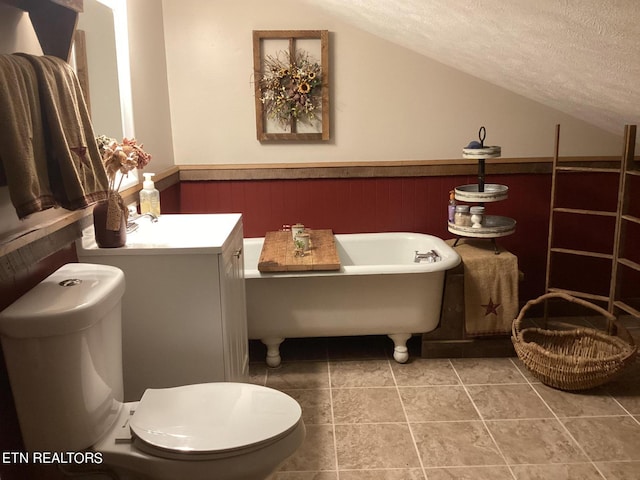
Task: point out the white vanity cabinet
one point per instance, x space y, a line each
183 311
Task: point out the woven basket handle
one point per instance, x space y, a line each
611 319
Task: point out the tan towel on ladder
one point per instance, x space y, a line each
76 174
490 288
23 160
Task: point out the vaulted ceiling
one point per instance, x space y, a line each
581 57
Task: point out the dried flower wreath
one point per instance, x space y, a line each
291 90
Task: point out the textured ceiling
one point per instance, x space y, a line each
581 57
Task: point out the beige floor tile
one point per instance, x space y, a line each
606 438
531 378
424 371
299 375
396 474
483 371
534 441
628 382
361 373
455 444
626 388
316 453
631 403
508 402
315 403
375 446
367 405
469 473
257 373
360 377
620 470
574 471
437 403
589 403
304 476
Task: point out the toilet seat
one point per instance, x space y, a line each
212 420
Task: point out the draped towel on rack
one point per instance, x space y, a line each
73 171
490 288
23 158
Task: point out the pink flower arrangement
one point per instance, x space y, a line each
121 157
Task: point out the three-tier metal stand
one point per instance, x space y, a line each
493 226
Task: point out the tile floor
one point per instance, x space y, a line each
369 418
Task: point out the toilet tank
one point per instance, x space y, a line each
63 350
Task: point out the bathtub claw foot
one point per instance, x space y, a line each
273 350
400 350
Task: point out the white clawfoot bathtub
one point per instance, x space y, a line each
379 290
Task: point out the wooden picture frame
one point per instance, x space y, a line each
292 43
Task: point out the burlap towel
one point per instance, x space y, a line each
76 175
23 160
490 288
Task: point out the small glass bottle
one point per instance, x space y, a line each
451 209
297 229
462 218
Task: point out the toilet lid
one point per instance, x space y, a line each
213 417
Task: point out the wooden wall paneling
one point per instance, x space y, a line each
380 204
328 211
259 210
388 204
225 200
170 199
407 203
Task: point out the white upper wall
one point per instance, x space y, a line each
151 113
388 102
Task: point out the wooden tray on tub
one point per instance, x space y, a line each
279 253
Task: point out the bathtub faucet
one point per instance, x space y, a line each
430 256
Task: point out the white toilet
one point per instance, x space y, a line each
62 346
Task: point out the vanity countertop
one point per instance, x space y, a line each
171 234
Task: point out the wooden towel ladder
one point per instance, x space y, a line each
623 218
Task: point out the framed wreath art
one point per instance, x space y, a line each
291 71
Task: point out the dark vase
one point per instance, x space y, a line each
106 238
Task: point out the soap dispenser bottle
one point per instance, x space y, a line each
149 196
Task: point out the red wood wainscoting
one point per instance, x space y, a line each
354 205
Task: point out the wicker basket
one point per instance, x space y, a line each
574 359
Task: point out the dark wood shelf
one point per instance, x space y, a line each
54 22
